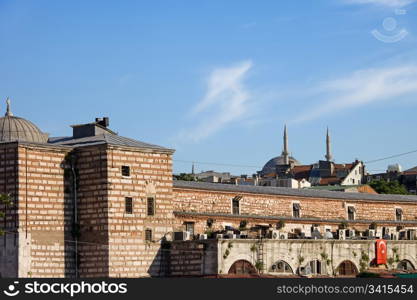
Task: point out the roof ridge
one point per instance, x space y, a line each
293 192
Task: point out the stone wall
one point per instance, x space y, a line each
9 242
222 254
150 176
48 239
197 206
44 214
92 188
299 253
193 258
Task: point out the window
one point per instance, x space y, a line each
296 210
189 227
148 235
126 171
351 213
315 266
128 205
150 206
236 205
398 214
281 267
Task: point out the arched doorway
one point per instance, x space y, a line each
405 265
347 268
242 267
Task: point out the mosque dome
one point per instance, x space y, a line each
14 129
270 166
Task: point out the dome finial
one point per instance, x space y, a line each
8 111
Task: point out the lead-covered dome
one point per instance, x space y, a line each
270 166
14 129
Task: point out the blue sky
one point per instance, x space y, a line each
217 80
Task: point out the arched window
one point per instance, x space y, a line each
405 265
281 267
242 267
347 268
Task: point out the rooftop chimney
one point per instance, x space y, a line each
105 122
100 126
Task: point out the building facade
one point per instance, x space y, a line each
96 204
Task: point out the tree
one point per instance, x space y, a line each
185 177
4 200
388 187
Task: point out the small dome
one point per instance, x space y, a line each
270 166
14 129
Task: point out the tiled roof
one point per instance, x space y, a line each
366 189
330 180
300 172
344 166
291 192
110 139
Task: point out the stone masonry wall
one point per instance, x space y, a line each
44 213
150 176
216 257
9 242
193 258
201 204
299 253
93 206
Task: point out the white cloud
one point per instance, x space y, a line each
361 88
389 3
226 100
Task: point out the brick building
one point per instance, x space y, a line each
97 204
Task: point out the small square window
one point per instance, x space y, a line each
128 205
148 235
126 171
150 206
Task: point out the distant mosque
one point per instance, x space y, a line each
285 170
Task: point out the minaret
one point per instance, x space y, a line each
8 111
285 154
328 155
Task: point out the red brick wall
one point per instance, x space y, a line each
43 211
92 194
151 175
218 202
8 185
